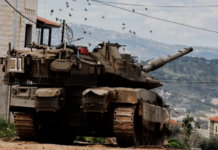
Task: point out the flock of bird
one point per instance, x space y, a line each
103 17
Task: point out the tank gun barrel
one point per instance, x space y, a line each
159 62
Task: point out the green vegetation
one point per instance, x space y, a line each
7 130
93 140
208 144
189 124
174 143
186 138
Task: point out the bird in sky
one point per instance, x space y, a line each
124 24
72 9
130 31
90 33
86 9
103 17
134 33
89 44
146 8
150 31
60 9
51 12
57 19
85 19
133 10
89 3
70 15
84 32
123 28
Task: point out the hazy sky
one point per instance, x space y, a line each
162 31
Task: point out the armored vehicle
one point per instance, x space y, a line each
58 94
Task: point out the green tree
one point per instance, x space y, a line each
189 124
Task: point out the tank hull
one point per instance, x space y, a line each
97 112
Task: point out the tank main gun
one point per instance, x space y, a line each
159 62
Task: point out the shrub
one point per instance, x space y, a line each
174 143
7 130
175 131
209 144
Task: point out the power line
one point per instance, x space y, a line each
203 82
87 34
55 33
192 99
157 18
184 6
184 79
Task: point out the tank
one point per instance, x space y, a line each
58 94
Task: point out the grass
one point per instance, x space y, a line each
7 130
93 140
174 143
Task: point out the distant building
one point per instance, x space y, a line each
214 101
213 126
179 118
203 132
180 110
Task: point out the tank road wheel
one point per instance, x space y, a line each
129 130
24 125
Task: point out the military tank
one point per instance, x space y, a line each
58 94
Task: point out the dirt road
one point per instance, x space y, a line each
17 145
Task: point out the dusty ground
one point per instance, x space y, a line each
18 145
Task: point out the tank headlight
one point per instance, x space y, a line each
14 91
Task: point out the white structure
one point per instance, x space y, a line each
213 126
19 30
180 110
179 118
203 132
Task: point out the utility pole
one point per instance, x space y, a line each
63 38
63 28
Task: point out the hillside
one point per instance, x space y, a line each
190 76
144 48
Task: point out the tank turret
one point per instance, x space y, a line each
159 62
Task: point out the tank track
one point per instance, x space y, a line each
129 130
24 125
124 125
